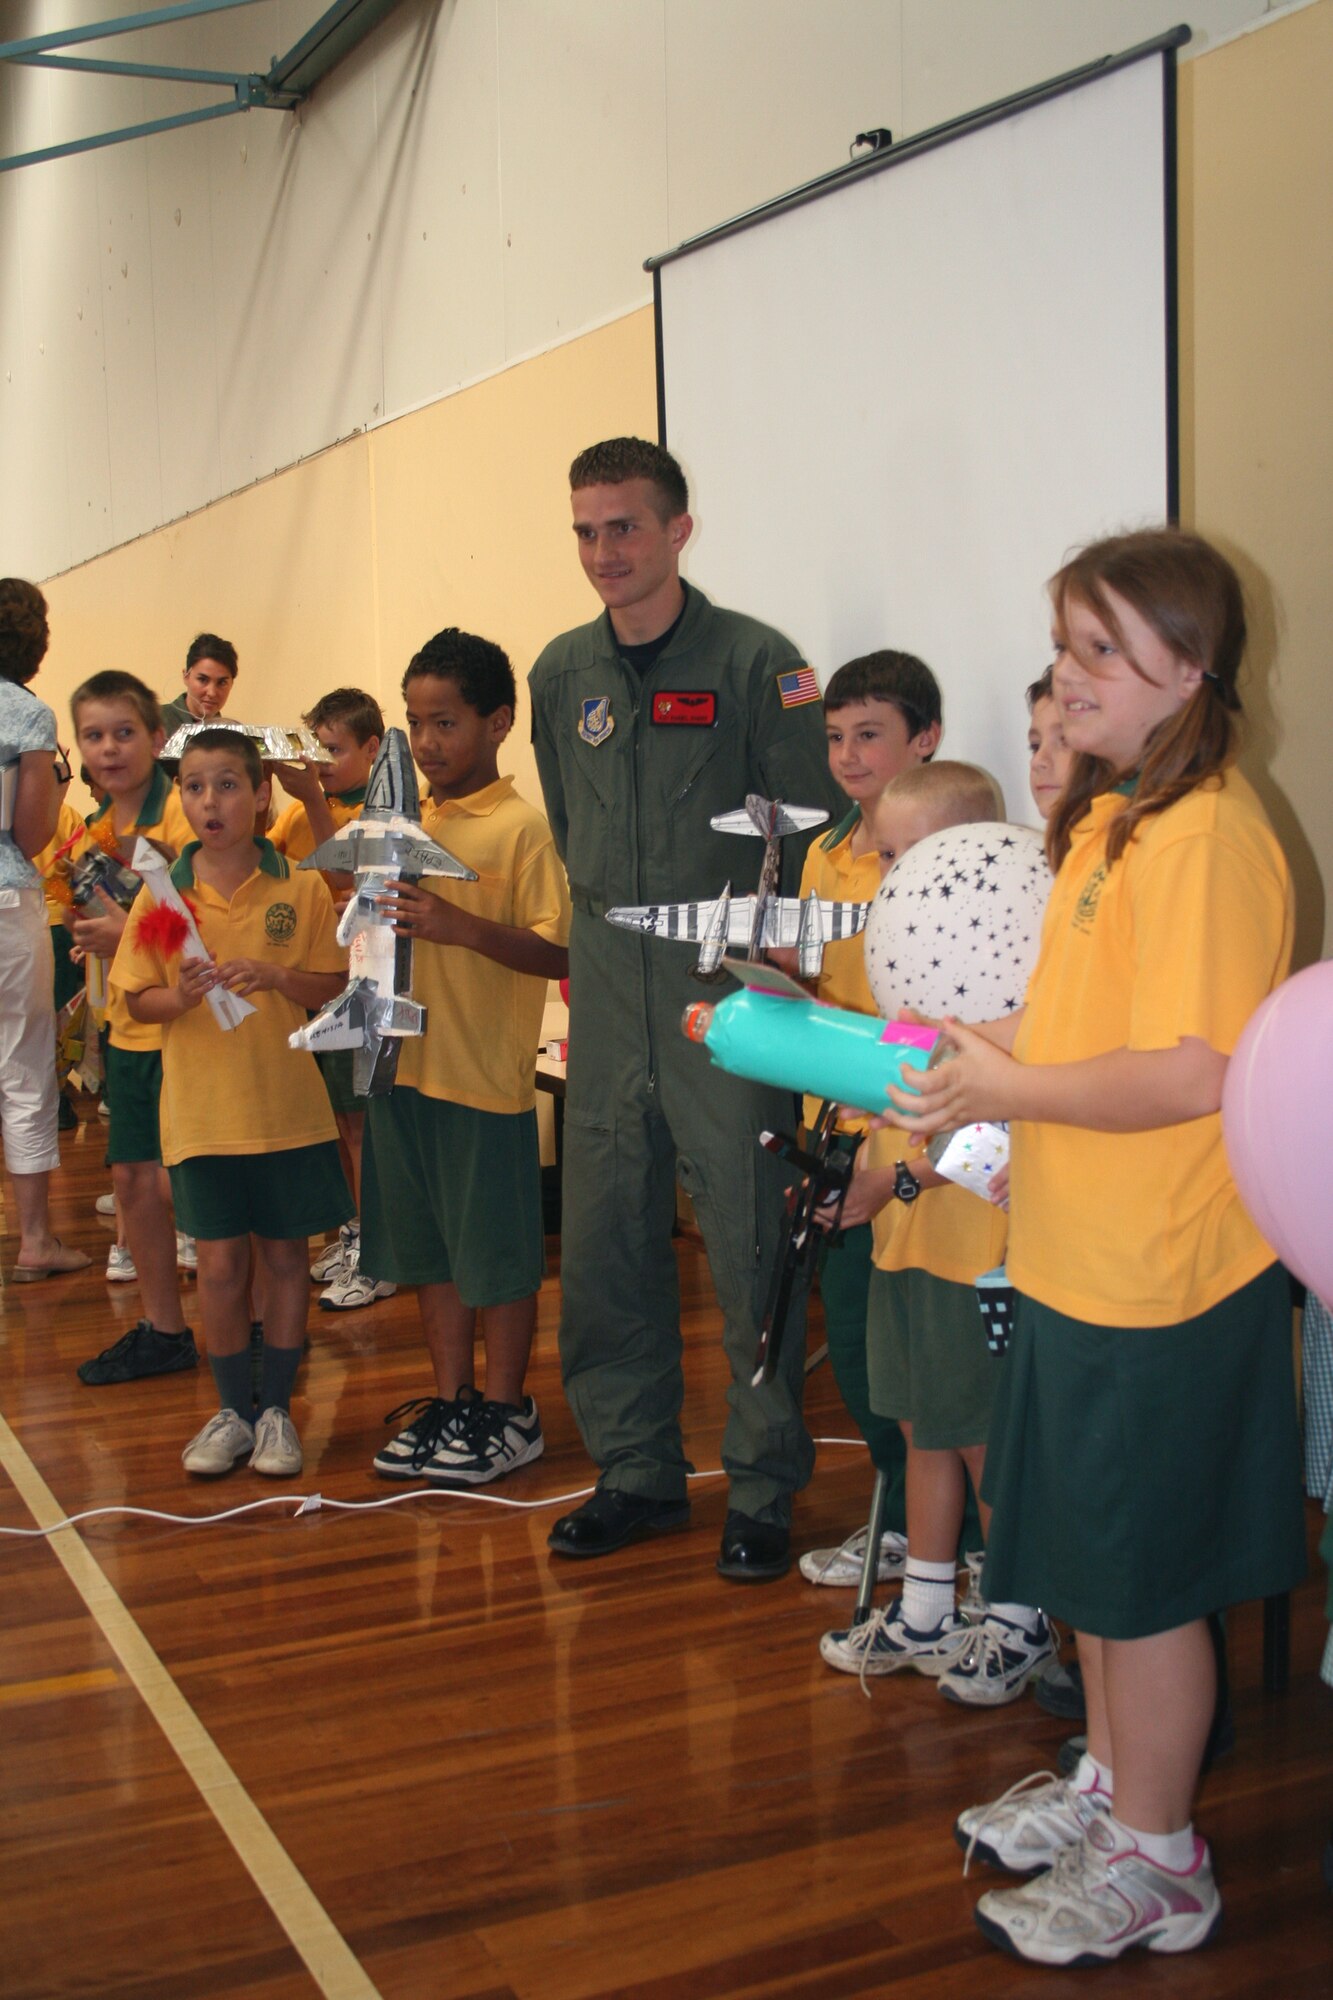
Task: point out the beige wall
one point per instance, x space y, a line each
334 572
1257 349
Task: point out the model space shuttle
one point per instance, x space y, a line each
387 844
753 924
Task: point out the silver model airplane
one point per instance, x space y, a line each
387 844
759 922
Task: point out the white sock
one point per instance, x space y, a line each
1090 1776
927 1593
1022 1615
1175 1851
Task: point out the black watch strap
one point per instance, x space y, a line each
906 1186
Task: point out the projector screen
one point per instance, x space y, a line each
901 394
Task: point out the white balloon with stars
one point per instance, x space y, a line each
955 925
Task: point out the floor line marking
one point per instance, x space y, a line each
307 1924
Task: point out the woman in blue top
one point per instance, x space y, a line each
29 802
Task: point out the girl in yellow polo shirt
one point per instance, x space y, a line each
1143 1462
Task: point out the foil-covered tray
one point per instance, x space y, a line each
277 746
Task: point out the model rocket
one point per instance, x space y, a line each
229 1009
387 844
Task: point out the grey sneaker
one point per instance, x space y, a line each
996 1665
223 1442
329 1263
277 1452
1101 1899
840 1569
120 1265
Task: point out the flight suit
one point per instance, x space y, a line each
629 794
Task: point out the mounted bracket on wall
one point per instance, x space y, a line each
287 82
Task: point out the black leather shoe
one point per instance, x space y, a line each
753 1551
610 1519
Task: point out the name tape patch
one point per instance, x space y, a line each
685 708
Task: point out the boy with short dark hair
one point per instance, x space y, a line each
254 1152
883 715
451 1197
118 729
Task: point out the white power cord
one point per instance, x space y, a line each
316 1503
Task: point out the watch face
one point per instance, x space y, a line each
905 1183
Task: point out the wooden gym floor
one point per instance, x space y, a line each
406 1753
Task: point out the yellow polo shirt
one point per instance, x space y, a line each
832 870
484 1022
1183 936
161 817
948 1231
291 832
241 1090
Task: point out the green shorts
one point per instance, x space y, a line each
335 1066
928 1361
450 1195
133 1088
296 1193
1143 1477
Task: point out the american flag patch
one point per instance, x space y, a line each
797 687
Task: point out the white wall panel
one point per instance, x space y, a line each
78 333
130 344
583 152
764 94
184 323
441 239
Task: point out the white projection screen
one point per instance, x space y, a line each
902 393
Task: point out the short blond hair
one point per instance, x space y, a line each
959 794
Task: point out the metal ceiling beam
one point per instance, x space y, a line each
287 83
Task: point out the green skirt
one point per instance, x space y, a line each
1143 1477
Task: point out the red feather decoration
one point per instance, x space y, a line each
162 929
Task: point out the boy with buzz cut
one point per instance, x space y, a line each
451 1196
883 715
247 1130
118 730
324 797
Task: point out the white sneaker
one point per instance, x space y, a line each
343 1249
120 1265
223 1442
105 1204
841 1568
1031 1825
884 1643
352 1289
1100 1899
187 1254
433 1420
277 1451
996 1665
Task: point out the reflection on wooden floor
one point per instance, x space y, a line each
499 1775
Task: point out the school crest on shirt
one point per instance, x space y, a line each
279 923
596 722
1085 910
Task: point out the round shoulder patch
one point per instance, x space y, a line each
280 923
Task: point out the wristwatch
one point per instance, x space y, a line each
906 1186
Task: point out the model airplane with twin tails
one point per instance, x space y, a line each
761 922
387 844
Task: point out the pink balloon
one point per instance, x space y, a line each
1277 1117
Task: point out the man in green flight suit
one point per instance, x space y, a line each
659 714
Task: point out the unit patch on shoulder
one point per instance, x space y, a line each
596 721
797 686
685 708
279 923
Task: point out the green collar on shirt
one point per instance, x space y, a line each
154 803
841 830
270 863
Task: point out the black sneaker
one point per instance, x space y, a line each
494 1438
142 1351
404 1456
